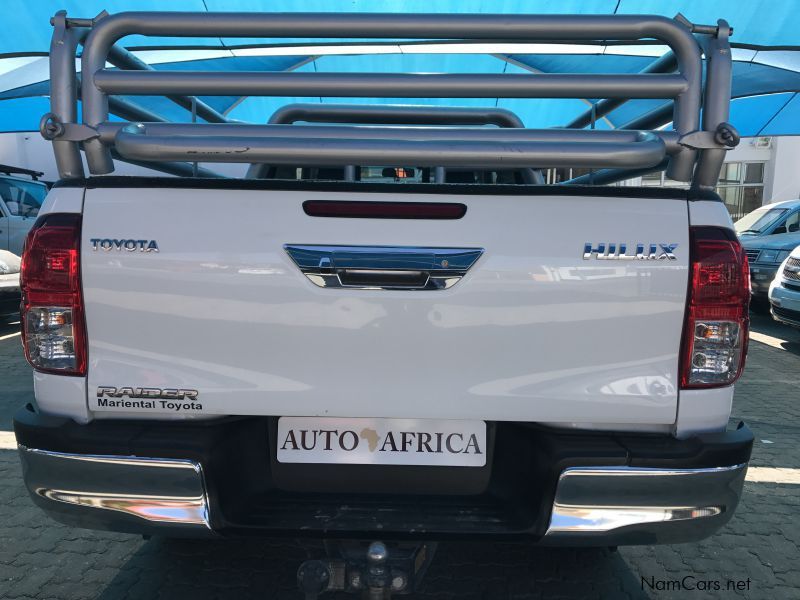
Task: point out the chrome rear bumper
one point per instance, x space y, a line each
119 493
592 505
541 485
629 505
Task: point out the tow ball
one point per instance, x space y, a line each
376 574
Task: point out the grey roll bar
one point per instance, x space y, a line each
63 102
63 93
716 106
109 131
203 141
685 88
399 85
99 87
393 115
137 143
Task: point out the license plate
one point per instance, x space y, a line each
344 441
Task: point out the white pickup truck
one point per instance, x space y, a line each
312 351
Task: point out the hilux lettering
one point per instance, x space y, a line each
623 251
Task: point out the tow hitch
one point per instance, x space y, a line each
376 574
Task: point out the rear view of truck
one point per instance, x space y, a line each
322 349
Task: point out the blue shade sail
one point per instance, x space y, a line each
764 22
766 70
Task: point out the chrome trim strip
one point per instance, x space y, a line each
619 471
165 492
606 499
159 509
566 519
383 267
119 460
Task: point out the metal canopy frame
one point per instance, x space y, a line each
695 152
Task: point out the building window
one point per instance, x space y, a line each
741 187
659 179
562 174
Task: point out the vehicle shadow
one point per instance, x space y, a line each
239 569
789 337
793 347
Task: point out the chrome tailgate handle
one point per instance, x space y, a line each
383 267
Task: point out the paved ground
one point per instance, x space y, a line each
758 549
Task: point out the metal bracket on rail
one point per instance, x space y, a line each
725 137
51 128
713 30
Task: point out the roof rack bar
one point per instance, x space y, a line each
136 143
664 64
390 85
11 170
109 29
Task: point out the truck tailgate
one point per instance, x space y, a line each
532 332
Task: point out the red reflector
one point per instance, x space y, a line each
61 260
384 210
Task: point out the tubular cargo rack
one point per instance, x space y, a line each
441 137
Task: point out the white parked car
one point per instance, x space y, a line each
9 285
784 291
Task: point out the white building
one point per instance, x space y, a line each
760 170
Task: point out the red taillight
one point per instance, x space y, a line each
53 331
716 329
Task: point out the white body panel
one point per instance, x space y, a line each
532 333
63 200
62 396
709 213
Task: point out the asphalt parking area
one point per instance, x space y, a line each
757 552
